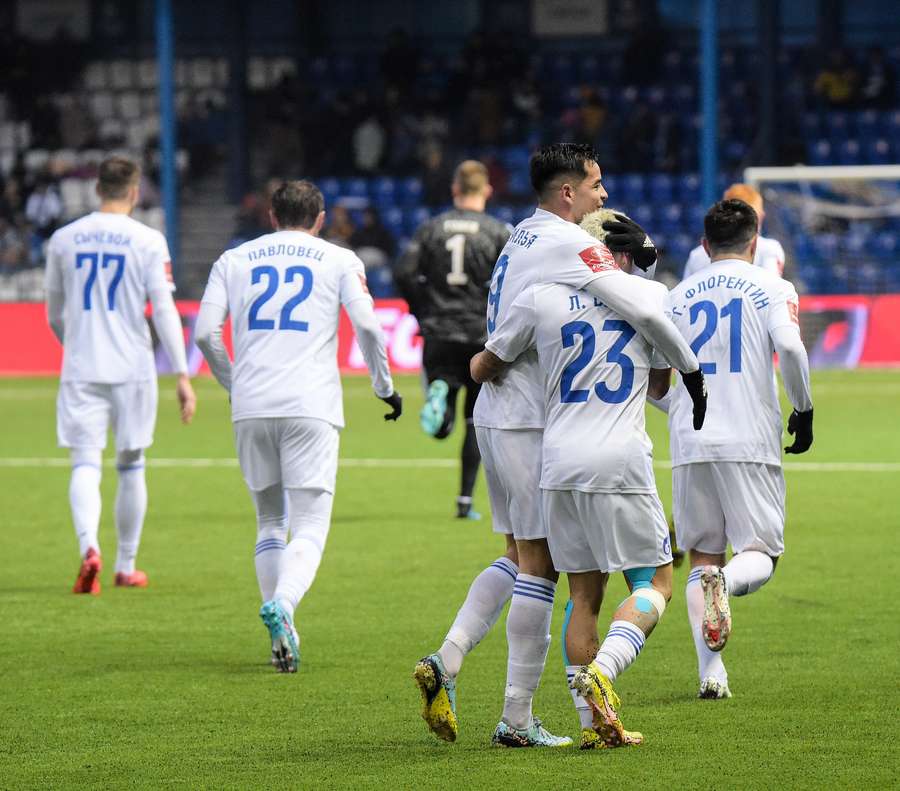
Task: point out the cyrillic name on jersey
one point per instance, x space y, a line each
522 238
461 226
757 295
298 251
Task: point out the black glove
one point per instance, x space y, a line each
395 402
626 236
800 427
695 384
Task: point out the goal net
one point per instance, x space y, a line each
840 228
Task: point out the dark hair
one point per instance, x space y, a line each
116 176
730 225
296 204
569 160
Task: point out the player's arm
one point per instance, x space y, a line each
56 295
784 330
167 322
513 335
658 388
208 337
361 312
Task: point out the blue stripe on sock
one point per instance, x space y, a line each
502 568
695 574
85 464
536 587
638 638
628 636
269 544
532 596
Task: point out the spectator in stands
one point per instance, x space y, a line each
340 228
369 141
637 140
436 175
836 83
44 208
878 86
13 249
372 234
590 123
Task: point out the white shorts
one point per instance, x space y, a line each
86 410
512 467
297 452
729 502
598 531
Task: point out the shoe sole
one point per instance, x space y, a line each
436 709
88 583
607 724
285 654
716 625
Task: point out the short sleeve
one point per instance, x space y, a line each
216 292
784 308
575 264
353 281
514 333
53 273
158 265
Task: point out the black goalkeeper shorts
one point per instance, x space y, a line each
450 361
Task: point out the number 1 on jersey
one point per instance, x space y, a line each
456 244
734 311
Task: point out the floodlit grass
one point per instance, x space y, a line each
171 686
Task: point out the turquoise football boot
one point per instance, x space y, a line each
285 642
535 735
432 414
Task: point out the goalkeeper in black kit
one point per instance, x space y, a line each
444 275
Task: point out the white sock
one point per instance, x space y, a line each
620 647
309 517
709 663
585 716
747 572
487 596
131 508
84 497
271 537
528 635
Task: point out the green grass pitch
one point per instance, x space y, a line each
171 687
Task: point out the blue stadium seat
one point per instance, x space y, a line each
380 282
503 213
331 190
885 245
642 214
393 220
688 187
820 153
382 189
695 215
413 218
869 123
878 152
671 218
826 245
515 158
849 153
837 124
661 188
632 187
519 183
354 188
811 125
411 192
611 185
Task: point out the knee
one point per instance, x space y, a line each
129 460
535 559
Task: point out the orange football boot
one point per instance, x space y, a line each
88 581
137 579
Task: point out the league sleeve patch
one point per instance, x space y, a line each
168 267
793 307
362 282
598 258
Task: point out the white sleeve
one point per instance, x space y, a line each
794 365
371 343
167 323
56 295
353 282
208 337
784 308
514 333
158 267
635 301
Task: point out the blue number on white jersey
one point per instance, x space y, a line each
615 355
93 259
285 321
734 310
494 293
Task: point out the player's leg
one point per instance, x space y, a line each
531 606
271 537
627 521
82 420
471 457
700 524
134 419
438 412
435 674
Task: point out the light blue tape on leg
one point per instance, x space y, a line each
643 605
565 629
640 578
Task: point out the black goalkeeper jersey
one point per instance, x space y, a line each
445 273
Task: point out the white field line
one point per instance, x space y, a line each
428 463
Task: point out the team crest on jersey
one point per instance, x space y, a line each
598 258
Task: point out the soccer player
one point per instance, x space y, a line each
600 506
769 252
444 275
284 293
101 270
547 247
727 481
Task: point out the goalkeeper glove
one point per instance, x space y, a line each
695 384
395 402
624 235
800 427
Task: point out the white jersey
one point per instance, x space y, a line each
769 256
107 265
543 248
284 292
728 312
594 373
